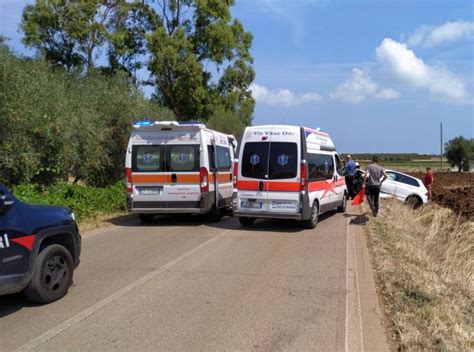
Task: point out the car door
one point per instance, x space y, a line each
14 241
339 179
389 186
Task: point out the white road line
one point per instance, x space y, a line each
353 330
110 299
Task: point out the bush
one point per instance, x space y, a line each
85 202
57 125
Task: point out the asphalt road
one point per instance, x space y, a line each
182 284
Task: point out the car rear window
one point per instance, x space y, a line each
183 158
255 159
283 161
320 167
148 158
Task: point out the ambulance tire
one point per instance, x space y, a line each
313 220
246 221
146 218
215 215
342 207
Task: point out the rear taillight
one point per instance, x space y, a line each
236 172
128 180
204 178
304 176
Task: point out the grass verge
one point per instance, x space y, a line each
424 264
87 203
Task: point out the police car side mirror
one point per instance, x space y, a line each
6 203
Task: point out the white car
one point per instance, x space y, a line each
406 188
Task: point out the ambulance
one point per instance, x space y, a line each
287 172
182 168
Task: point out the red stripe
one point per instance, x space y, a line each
26 241
277 186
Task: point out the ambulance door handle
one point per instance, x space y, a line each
174 179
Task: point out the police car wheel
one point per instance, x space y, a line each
52 275
313 220
342 207
246 221
146 218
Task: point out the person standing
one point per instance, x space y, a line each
428 181
350 170
374 176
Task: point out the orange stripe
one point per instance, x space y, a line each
166 178
225 177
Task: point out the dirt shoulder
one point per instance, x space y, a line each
423 263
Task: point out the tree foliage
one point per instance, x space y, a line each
460 151
74 34
200 60
58 125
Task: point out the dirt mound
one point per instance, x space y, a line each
454 191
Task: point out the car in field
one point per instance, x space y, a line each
40 247
406 188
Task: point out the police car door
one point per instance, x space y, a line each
15 244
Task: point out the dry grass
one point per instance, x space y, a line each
424 261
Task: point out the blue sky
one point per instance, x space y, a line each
379 76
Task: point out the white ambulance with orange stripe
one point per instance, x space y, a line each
173 167
287 172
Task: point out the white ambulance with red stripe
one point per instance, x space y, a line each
287 172
183 168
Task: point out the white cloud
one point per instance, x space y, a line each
403 63
387 93
431 36
282 97
359 87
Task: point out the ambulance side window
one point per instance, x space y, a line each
210 152
224 162
320 167
339 168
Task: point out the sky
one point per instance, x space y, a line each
378 76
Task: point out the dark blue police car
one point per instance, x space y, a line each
39 249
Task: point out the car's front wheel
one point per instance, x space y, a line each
342 207
413 202
313 220
52 275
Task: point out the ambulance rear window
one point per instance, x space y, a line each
255 160
148 158
283 160
183 158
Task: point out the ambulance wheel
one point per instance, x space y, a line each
313 220
215 215
146 218
342 207
246 221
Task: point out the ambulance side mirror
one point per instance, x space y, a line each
6 203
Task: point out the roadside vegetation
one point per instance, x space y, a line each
424 265
88 203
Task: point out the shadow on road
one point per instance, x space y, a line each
226 223
13 303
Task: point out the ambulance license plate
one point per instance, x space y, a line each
251 204
150 191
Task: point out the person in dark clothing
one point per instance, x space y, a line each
358 179
349 172
374 176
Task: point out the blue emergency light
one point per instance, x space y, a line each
143 123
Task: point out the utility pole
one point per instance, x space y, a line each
441 143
